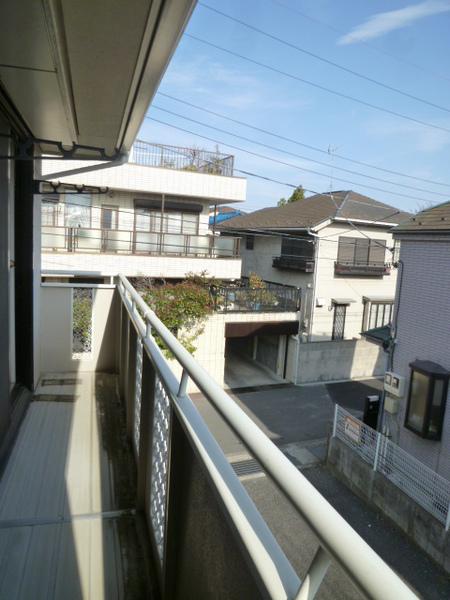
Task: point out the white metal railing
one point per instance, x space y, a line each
337 540
419 482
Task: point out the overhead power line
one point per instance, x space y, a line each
317 85
298 143
323 59
284 163
374 47
268 146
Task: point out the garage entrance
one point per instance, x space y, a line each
255 353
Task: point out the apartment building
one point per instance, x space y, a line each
148 217
337 248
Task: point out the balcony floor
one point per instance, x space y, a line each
67 522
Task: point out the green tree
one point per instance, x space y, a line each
297 194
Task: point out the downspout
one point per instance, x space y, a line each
391 349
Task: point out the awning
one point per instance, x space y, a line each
85 72
346 301
379 335
378 298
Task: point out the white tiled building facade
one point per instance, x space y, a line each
187 245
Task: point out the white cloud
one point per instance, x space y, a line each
383 23
410 135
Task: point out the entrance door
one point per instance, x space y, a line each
339 321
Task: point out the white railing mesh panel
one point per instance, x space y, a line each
137 396
160 454
361 438
419 482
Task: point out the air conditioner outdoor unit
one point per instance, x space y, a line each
394 384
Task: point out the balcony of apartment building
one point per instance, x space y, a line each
361 257
116 488
144 239
269 297
296 255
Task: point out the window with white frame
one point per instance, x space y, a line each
377 313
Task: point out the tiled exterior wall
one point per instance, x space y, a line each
157 180
423 332
174 267
329 286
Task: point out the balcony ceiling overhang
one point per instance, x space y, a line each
84 71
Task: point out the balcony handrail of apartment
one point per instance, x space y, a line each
243 298
134 242
336 538
182 159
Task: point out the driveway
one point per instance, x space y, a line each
288 414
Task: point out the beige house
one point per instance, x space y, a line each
337 247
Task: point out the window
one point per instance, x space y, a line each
109 217
361 252
340 311
426 399
292 247
249 242
49 212
377 314
172 222
78 210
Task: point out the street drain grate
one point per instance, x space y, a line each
249 466
55 398
66 381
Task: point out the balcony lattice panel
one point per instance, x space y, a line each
160 453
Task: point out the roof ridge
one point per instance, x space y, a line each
342 203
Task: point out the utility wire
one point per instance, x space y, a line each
284 163
323 59
299 156
400 59
291 140
316 85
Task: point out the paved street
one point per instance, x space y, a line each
298 420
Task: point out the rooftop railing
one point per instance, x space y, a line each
194 503
182 159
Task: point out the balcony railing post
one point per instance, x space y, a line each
145 431
123 363
130 388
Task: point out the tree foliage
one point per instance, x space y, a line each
183 308
297 194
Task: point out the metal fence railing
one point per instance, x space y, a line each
419 482
271 298
192 499
182 159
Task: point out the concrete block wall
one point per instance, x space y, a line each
336 360
426 531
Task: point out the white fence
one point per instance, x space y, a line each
415 479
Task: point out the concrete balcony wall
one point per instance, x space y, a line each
171 267
216 188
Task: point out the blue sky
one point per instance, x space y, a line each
361 36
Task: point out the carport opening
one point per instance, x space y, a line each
255 360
